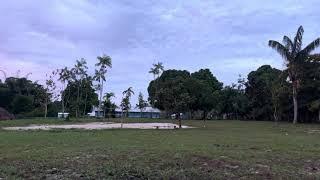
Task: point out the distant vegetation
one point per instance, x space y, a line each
266 94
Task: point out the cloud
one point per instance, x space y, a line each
229 37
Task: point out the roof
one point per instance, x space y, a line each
147 109
94 108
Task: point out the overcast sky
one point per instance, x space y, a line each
228 37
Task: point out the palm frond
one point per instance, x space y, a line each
312 46
288 43
298 40
314 58
281 49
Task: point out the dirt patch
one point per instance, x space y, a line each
99 125
205 162
312 167
234 169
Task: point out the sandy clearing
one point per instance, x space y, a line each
99 125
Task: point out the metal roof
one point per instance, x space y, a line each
147 109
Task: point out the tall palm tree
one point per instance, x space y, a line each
100 74
159 68
156 69
294 55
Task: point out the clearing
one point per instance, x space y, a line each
100 125
221 150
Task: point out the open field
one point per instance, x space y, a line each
222 150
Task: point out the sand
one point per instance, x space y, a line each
100 125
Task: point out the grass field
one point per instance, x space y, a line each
222 150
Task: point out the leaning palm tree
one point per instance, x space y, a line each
294 55
104 62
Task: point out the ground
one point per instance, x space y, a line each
221 150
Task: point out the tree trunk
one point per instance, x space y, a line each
78 97
122 116
275 115
295 104
46 110
100 101
204 118
85 104
62 100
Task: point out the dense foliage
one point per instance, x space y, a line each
265 95
22 97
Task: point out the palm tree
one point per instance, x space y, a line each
294 55
80 73
156 70
125 103
126 100
100 74
107 104
142 104
129 92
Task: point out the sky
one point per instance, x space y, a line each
228 37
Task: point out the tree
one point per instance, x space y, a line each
261 87
100 74
310 89
142 104
87 80
205 88
280 96
22 104
157 69
49 92
125 103
80 75
65 75
85 101
171 92
294 55
24 88
233 102
108 105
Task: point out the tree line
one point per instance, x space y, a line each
292 94
265 95
79 93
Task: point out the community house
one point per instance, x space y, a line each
148 112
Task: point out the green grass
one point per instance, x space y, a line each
222 150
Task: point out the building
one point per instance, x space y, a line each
148 112
62 115
96 112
